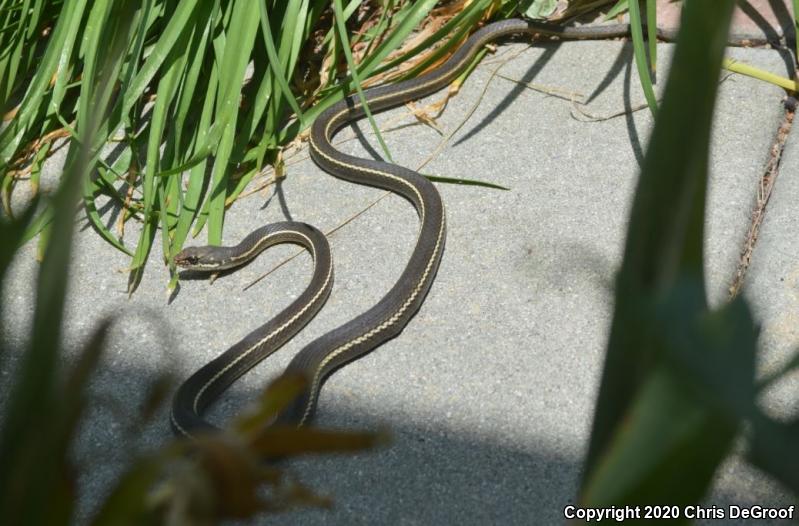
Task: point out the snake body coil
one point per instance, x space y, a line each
390 315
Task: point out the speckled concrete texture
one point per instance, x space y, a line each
489 392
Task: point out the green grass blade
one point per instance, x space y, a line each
369 65
39 222
796 27
458 26
176 24
276 99
131 67
192 199
278 68
646 456
65 30
750 71
168 90
349 10
13 55
697 350
617 9
684 421
191 86
345 45
652 35
296 18
639 50
237 49
91 189
408 23
417 12
153 188
90 50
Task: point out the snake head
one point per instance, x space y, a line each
196 258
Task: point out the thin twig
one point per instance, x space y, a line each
764 190
327 234
445 140
547 90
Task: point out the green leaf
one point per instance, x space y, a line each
345 44
666 451
796 25
64 33
639 50
652 35
176 23
153 187
91 189
684 418
666 228
539 8
714 351
192 198
404 28
616 10
237 48
277 67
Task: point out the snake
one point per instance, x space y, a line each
389 316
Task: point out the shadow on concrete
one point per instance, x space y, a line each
428 474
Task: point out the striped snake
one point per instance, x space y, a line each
389 316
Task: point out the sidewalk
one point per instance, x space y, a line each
489 392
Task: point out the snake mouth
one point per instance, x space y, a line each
186 260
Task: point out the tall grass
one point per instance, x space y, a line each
211 92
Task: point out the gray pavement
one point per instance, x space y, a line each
490 390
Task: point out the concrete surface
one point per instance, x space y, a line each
490 390
758 20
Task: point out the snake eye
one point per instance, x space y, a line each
183 259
